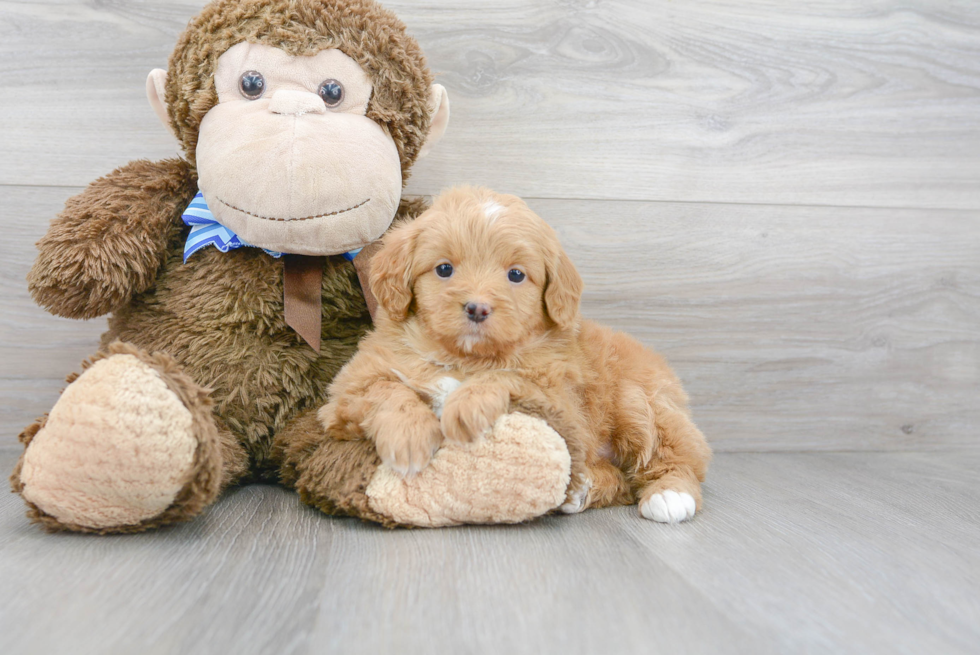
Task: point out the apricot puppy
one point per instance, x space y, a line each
479 316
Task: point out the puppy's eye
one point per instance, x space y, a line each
444 270
251 84
516 275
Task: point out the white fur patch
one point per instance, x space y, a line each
492 210
444 387
669 507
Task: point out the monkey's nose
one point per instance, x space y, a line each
296 103
477 311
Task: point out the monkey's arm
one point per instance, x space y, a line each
110 240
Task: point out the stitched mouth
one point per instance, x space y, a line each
286 220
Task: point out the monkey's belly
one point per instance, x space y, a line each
220 316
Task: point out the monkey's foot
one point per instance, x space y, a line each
130 445
518 472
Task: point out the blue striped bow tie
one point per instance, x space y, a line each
206 231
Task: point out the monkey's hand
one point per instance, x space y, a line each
472 409
109 242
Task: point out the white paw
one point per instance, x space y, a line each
669 507
578 499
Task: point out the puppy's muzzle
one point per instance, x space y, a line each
477 311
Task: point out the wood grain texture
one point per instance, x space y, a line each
33 343
794 553
793 328
874 103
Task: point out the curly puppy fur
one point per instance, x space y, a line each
510 340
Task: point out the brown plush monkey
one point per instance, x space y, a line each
232 280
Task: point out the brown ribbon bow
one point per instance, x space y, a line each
303 295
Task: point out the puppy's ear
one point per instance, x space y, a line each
391 271
563 291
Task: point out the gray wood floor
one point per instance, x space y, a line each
794 553
784 198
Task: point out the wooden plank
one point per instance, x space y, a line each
837 103
843 553
794 328
22 402
249 566
556 586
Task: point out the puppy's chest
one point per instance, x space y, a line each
439 392
436 382
434 385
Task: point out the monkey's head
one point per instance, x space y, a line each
302 117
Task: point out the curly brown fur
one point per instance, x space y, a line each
620 408
118 246
330 475
220 316
218 461
108 243
363 30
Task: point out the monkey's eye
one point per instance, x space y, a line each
332 92
444 270
251 84
516 275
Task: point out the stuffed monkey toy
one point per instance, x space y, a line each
234 278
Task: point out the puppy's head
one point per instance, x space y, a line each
480 270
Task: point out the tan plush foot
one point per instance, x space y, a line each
116 450
520 471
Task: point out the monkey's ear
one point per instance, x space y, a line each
439 106
563 291
156 91
391 271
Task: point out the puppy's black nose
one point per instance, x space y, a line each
477 311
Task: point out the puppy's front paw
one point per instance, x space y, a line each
407 443
471 411
342 417
577 497
668 506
